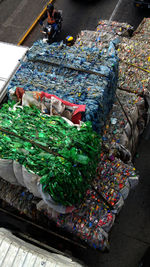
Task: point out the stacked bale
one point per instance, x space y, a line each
33 145
87 74
80 76
134 72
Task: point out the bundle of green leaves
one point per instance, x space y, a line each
64 157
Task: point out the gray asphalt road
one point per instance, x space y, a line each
84 15
18 15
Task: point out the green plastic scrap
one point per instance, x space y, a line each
64 157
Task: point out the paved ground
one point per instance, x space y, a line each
17 17
78 15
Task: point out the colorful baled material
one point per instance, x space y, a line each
66 159
84 76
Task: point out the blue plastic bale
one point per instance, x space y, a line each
81 76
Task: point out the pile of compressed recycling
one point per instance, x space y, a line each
119 141
91 221
127 118
134 72
125 123
106 32
64 156
143 31
114 180
94 217
93 39
114 29
87 74
80 76
19 198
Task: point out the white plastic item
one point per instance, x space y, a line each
7 172
17 167
31 180
52 204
